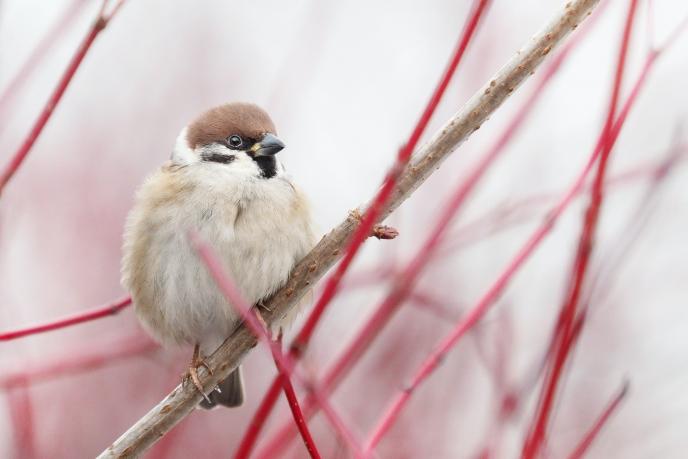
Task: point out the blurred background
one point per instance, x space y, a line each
345 82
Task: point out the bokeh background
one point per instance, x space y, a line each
345 83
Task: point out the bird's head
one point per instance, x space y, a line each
237 135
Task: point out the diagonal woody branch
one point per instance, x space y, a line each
477 110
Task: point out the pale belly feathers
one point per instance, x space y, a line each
259 228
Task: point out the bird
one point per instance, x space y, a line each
223 181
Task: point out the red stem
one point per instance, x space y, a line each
477 311
93 314
71 364
21 413
285 363
293 401
373 211
249 439
20 155
566 320
405 280
594 431
15 85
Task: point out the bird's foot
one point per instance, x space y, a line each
263 306
261 321
192 373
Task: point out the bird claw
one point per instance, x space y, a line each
256 313
192 373
262 305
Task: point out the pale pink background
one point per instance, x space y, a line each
344 82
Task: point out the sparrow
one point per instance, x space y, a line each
223 181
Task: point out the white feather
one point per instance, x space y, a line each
259 227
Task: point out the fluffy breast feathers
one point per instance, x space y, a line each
260 229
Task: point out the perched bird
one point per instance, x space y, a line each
224 181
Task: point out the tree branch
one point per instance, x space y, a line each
181 401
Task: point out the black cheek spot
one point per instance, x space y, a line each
218 158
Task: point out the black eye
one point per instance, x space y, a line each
235 141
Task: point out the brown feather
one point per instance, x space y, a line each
217 124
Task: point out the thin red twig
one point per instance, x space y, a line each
405 279
368 220
508 214
14 87
249 439
477 228
87 316
258 420
21 413
476 312
20 155
601 283
594 431
72 363
285 364
370 217
295 408
566 320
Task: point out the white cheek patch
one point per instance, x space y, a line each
182 153
241 166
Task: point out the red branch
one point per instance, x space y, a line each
99 24
93 314
15 85
481 307
562 339
249 439
383 273
367 222
594 431
370 217
285 364
405 280
295 408
21 411
72 363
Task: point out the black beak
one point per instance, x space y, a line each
268 145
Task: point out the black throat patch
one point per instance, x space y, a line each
268 166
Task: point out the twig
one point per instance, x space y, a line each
258 420
594 431
368 220
93 314
22 414
295 408
603 281
476 312
261 331
70 365
20 79
405 280
656 171
562 343
99 24
508 214
182 401
376 209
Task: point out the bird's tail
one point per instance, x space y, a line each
229 392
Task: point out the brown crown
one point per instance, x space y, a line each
247 120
